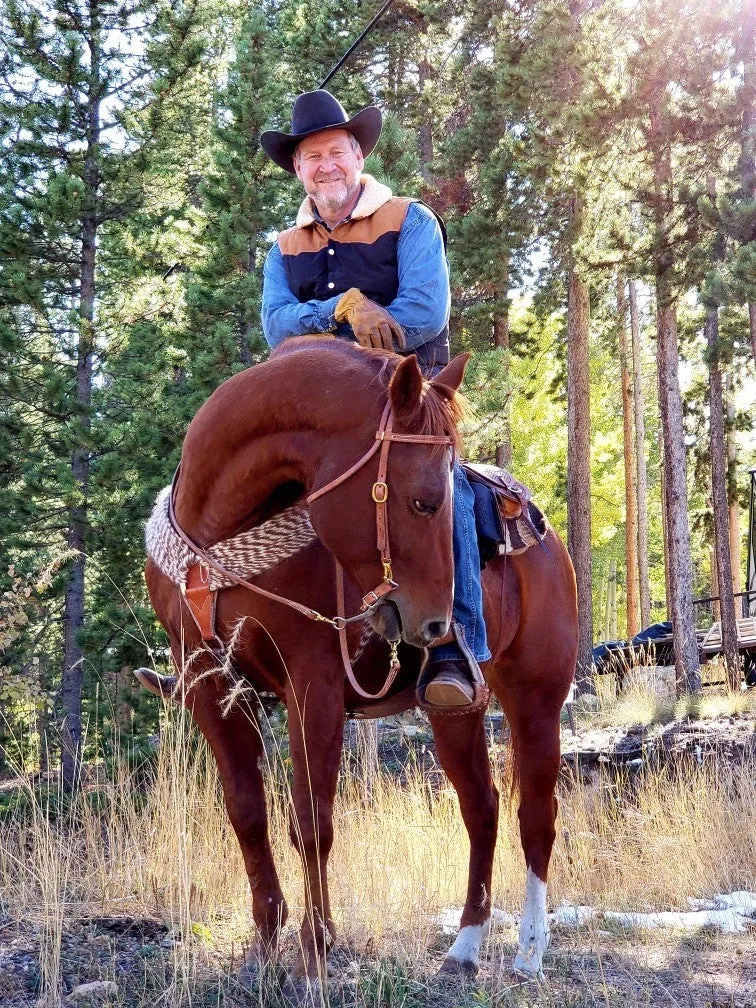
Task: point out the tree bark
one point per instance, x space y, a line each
719 503
748 126
425 132
74 603
670 400
732 483
631 500
501 341
640 460
579 467
665 526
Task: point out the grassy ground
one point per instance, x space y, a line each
144 886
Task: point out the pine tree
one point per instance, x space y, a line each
76 91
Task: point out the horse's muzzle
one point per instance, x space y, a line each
386 620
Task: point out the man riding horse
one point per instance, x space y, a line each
367 266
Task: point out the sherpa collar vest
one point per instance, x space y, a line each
360 252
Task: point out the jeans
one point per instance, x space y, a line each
467 609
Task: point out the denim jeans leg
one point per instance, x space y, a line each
467 609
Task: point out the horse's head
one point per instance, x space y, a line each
418 500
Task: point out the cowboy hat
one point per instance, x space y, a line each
315 111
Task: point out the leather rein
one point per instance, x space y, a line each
384 437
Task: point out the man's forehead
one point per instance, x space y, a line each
325 138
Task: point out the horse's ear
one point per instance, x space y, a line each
406 386
448 380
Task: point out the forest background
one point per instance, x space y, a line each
594 163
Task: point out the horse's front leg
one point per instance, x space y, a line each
236 743
316 733
462 751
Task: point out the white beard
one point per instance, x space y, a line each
333 196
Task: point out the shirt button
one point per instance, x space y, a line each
331 252
330 286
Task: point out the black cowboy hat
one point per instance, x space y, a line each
315 111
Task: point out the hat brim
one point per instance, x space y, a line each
365 127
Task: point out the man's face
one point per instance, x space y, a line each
329 168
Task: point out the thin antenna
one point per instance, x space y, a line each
356 42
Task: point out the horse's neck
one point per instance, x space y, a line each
256 441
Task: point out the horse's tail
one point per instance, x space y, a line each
161 685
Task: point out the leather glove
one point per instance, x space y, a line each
371 324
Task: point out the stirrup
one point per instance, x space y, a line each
481 692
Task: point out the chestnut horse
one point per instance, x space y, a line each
269 437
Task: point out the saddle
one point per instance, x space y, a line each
506 519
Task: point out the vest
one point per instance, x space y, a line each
361 252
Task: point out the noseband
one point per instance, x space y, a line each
379 494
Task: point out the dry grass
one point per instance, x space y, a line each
640 704
399 859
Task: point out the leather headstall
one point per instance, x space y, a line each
201 600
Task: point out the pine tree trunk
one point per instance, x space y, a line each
579 468
719 467
425 133
665 527
613 600
640 460
670 402
732 484
501 341
247 326
714 581
676 492
631 500
74 603
748 126
720 508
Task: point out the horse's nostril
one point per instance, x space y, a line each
435 629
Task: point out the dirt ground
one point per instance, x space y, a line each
595 965
587 966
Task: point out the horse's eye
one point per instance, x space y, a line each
423 508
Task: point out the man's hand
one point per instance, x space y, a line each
372 325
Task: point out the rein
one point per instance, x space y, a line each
379 494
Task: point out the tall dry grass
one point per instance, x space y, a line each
399 858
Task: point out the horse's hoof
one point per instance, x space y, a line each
255 974
304 993
452 966
248 974
527 966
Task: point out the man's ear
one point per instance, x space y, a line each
448 380
406 386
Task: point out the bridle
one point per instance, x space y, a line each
384 438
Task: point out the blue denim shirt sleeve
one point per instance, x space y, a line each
282 314
423 301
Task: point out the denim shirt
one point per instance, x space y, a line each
421 305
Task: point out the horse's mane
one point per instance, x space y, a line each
439 410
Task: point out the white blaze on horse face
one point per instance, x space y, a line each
534 930
466 947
